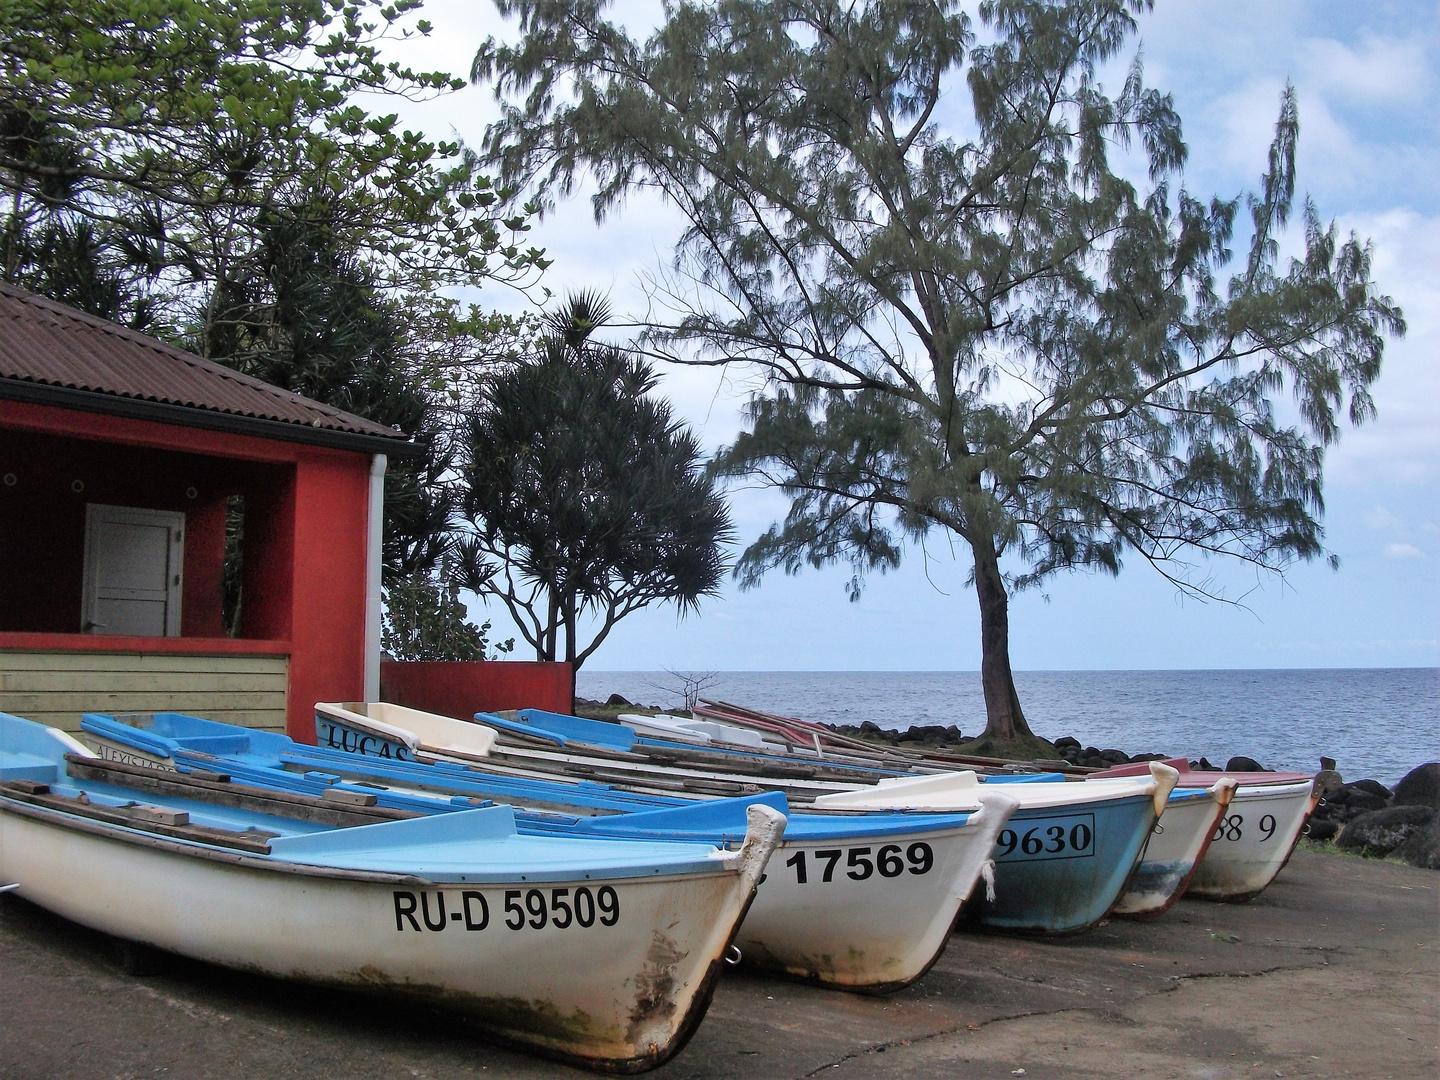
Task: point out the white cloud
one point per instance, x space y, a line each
1378 69
1402 551
1379 518
1403 442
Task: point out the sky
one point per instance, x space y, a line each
1368 83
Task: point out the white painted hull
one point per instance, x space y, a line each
868 929
623 997
1253 840
1174 849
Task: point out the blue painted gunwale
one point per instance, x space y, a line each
1177 794
471 845
272 759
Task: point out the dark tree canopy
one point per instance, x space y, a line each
214 173
984 301
587 496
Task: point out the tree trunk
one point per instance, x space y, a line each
1004 718
547 652
570 628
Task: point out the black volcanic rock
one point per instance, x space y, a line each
1382 831
1421 786
1373 787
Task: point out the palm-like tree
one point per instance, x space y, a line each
587 496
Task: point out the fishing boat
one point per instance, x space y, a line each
1067 854
1252 842
1058 887
598 952
1175 849
814 916
531 742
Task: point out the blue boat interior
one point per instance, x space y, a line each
470 844
584 808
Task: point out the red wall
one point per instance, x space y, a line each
305 534
462 689
327 625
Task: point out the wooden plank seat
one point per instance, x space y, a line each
339 809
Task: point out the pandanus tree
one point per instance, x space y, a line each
588 498
981 297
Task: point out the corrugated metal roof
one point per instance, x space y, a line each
46 343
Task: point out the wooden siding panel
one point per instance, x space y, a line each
56 688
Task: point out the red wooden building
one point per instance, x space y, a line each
120 457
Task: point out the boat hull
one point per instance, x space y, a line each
1252 841
1072 880
624 997
1174 850
873 914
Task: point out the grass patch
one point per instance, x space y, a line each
1025 748
1326 847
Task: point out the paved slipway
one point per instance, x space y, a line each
1330 973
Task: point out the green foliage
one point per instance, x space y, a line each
426 620
976 323
214 174
172 124
587 495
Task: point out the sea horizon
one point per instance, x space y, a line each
1376 722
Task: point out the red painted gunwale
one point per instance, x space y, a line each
1203 777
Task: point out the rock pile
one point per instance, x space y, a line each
1368 818
1095 758
917 734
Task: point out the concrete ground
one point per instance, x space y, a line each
1331 973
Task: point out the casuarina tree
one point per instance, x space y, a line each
589 499
984 300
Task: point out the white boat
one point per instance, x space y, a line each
1253 840
1174 850
663 726
599 952
814 916
1068 852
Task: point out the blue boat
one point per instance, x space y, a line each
599 952
1044 882
814 915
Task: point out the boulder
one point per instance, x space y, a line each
616 701
1066 741
1382 831
1422 847
869 727
1360 799
1421 787
1372 787
1321 829
1243 764
1115 757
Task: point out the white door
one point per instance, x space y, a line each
132 571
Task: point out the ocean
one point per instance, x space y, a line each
1375 722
